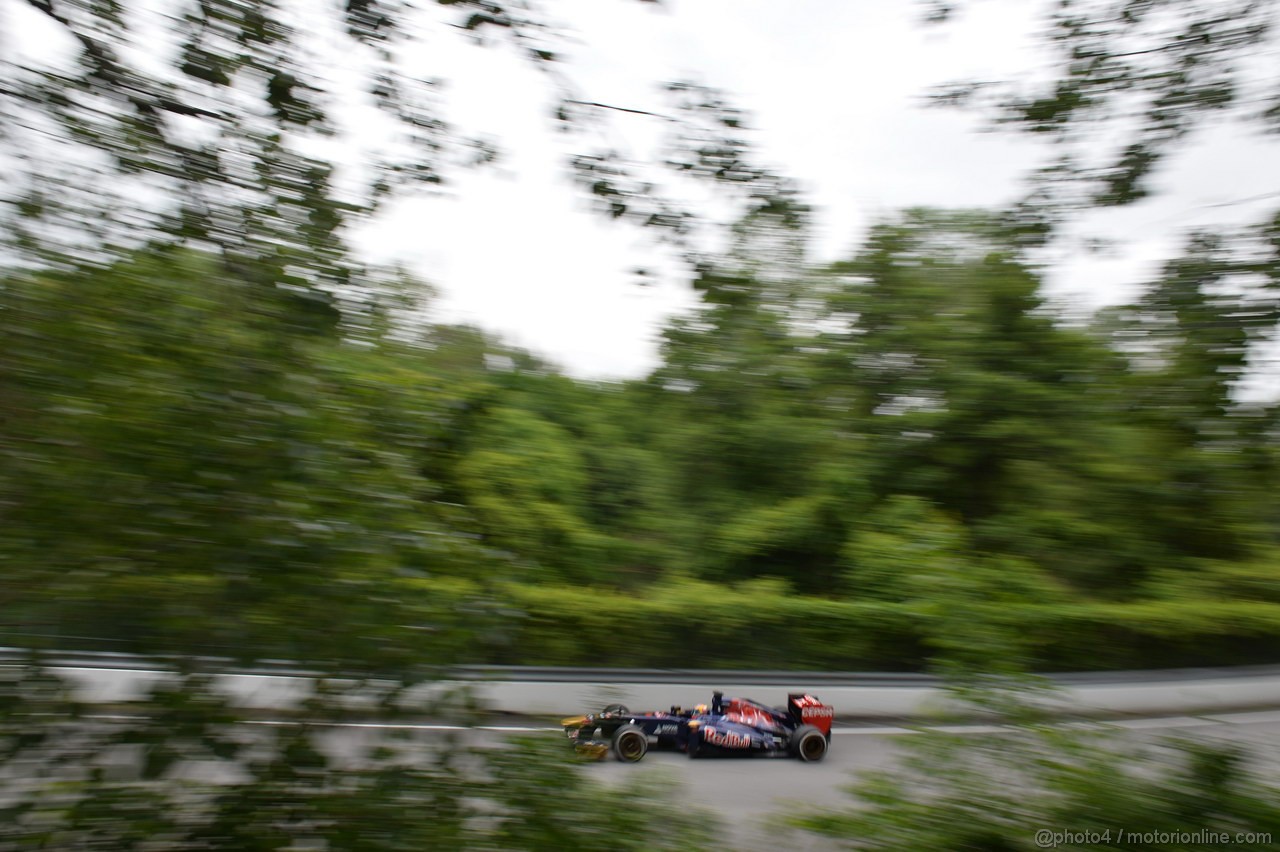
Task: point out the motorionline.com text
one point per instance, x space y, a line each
1051 839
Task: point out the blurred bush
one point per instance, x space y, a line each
182 771
1003 791
760 625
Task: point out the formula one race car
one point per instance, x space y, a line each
737 726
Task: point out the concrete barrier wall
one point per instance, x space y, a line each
891 702
1145 695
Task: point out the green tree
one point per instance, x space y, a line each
183 473
527 482
1131 83
768 471
975 397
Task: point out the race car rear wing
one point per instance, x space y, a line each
807 709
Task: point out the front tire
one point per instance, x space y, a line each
630 744
809 744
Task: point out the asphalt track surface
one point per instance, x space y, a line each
748 795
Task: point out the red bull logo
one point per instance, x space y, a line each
726 739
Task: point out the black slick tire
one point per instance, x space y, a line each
630 744
808 744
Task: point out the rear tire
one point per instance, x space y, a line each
809 744
630 744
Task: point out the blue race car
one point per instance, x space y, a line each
737 726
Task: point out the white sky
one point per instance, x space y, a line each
835 90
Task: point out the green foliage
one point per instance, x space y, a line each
897 460
1152 634
963 621
182 474
1257 579
526 481
185 772
976 400
997 793
905 545
753 624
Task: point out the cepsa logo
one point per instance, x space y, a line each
728 739
817 712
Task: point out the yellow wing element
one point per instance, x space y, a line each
595 751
